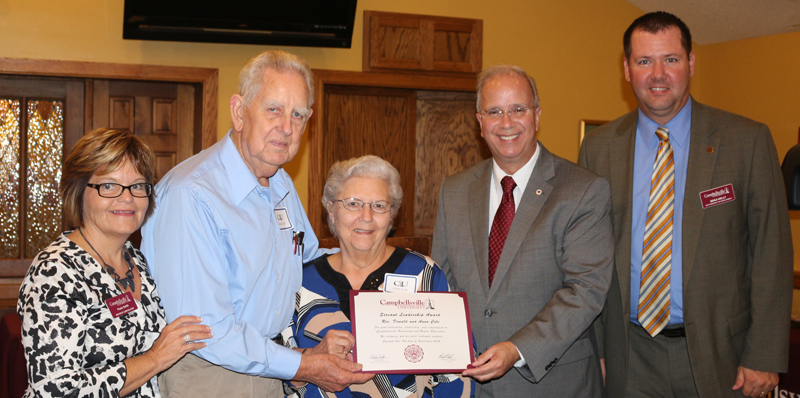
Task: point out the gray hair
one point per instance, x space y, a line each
365 166
510 70
251 76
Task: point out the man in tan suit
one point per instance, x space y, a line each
535 289
708 314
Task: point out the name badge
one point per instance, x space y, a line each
717 196
396 283
121 305
282 216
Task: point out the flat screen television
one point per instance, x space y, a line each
309 23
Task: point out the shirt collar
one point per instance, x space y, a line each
522 175
241 179
679 127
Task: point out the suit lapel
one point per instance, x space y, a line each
622 148
479 221
529 208
702 137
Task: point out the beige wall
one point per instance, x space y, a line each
757 78
571 47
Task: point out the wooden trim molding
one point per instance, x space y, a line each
207 77
797 279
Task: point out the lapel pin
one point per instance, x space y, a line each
710 149
538 191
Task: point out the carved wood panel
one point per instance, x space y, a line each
120 115
447 141
422 43
165 112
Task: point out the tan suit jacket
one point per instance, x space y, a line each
737 256
551 279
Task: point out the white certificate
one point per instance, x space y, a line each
411 333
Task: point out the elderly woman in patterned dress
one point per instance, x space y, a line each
92 324
362 196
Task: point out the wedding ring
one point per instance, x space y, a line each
186 338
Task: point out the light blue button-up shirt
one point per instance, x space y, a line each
644 159
217 250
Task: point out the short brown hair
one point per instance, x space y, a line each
99 152
654 22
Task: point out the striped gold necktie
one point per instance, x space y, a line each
654 296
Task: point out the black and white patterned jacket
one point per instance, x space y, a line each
73 346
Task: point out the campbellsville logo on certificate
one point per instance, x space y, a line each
418 304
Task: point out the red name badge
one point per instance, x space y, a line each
121 305
717 196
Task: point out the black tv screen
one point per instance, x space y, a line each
310 23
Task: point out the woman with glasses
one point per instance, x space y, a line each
92 323
362 196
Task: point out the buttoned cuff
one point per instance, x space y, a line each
285 364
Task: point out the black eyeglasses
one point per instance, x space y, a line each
113 190
353 204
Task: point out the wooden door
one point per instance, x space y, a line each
372 121
162 114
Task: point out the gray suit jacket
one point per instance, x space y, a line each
737 257
551 279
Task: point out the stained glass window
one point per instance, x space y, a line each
45 136
9 178
31 147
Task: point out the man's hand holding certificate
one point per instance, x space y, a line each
427 332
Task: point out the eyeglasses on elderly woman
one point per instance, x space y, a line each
355 204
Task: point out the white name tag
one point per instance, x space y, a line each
282 216
396 283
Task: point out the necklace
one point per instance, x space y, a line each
124 283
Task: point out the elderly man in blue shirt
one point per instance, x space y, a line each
229 238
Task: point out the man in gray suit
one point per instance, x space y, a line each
727 292
527 235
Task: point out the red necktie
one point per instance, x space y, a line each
501 224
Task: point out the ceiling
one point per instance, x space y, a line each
717 21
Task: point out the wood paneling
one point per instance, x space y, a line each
165 112
447 141
373 121
164 162
422 43
120 114
359 113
